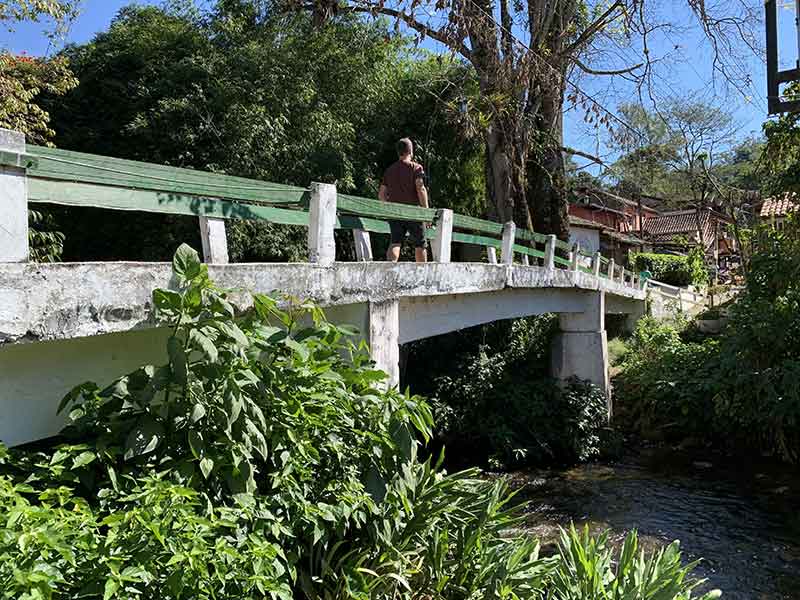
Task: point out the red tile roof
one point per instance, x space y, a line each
666 227
780 206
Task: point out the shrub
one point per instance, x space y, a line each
589 569
264 460
666 384
673 269
495 402
740 390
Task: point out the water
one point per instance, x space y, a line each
742 519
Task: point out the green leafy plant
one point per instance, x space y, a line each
589 568
264 460
679 270
495 402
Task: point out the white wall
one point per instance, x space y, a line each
587 239
36 376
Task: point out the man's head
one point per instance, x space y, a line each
405 149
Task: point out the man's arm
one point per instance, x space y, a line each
422 193
383 193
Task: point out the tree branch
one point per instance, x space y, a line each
590 31
435 34
582 154
590 71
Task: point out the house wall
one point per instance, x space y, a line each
587 239
601 217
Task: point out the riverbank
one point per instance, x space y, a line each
740 516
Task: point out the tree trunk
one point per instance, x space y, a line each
546 174
498 175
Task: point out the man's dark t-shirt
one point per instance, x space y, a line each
401 182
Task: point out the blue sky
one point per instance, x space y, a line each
690 71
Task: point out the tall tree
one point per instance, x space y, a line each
525 54
678 143
265 96
22 80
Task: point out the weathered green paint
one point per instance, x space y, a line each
78 179
474 224
384 210
65 165
531 236
476 240
115 198
528 251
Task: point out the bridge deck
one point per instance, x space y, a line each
41 302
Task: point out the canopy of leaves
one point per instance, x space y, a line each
781 157
676 147
254 94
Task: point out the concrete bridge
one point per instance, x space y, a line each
62 324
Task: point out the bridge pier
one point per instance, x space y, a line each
384 338
581 348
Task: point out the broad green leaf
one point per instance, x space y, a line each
198 412
206 466
167 301
196 444
186 263
83 459
204 344
111 587
143 438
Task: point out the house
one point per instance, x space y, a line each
617 225
593 236
613 211
775 210
674 230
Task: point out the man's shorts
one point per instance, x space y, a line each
414 229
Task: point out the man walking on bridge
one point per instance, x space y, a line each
404 183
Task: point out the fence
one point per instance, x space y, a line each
684 299
47 175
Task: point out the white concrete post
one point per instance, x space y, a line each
581 348
575 256
384 335
612 269
442 243
214 240
525 260
596 264
550 253
509 234
13 200
622 275
321 224
363 245
491 252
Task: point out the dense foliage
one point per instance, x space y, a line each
23 79
257 94
265 460
495 402
680 270
781 157
740 389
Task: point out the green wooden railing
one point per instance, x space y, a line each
78 179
